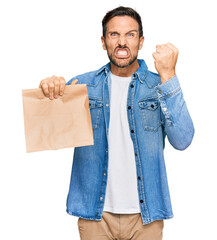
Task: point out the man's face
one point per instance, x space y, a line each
122 40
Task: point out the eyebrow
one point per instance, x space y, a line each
133 31
126 32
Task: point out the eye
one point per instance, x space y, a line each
130 34
114 34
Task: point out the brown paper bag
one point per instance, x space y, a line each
59 123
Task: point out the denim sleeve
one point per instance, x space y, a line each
176 120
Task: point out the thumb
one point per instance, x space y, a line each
74 82
157 46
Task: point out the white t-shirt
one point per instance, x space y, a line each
121 192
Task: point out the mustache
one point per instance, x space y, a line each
121 47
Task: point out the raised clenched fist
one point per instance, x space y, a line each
165 59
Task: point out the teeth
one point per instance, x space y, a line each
122 52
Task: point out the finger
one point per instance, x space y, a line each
56 88
162 46
44 88
74 82
62 86
172 47
158 50
158 47
165 48
155 55
51 90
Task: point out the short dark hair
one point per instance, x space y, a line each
122 11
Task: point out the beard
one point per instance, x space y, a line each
112 60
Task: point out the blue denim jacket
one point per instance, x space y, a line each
154 111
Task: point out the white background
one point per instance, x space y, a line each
43 38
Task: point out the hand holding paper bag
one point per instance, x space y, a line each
59 123
54 86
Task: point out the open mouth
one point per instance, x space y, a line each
122 53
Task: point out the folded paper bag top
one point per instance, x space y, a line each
59 123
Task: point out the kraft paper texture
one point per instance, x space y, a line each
59 123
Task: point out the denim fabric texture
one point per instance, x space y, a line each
155 110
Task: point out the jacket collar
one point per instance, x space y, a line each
141 71
141 74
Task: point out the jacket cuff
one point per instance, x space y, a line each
168 88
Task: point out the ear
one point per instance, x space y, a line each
141 41
103 43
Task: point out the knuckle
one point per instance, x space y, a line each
62 81
51 85
44 86
52 79
57 83
42 82
62 78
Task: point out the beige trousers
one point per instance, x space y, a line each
120 227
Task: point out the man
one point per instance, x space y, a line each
119 186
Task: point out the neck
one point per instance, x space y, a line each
124 72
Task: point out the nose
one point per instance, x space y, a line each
122 41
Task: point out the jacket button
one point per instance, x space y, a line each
132 85
132 131
159 91
139 178
129 107
136 154
141 201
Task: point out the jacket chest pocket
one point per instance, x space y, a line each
95 106
150 113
